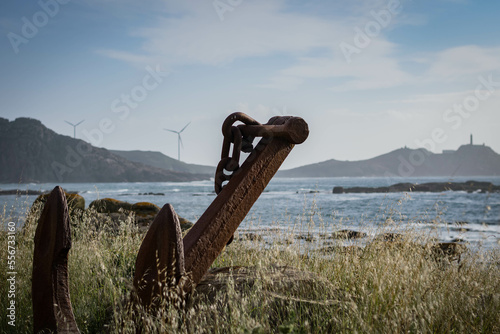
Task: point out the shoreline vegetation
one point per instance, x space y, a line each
389 283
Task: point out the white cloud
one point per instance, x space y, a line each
191 33
373 68
253 29
283 82
125 56
462 62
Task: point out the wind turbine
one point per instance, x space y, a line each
179 139
74 126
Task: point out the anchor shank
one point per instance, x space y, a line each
208 237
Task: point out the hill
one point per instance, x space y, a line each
160 160
30 152
468 160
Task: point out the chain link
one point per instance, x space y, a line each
228 165
240 138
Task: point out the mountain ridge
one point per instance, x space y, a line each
468 160
160 160
31 152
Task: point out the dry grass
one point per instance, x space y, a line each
381 287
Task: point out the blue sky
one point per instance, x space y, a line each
368 76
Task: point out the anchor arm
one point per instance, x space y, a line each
208 237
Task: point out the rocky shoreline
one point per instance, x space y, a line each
469 186
20 192
110 212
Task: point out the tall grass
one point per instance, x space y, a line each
404 286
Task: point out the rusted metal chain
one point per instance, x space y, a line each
293 129
228 165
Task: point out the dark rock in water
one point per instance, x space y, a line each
390 237
461 222
305 191
469 186
348 234
306 237
460 240
20 192
450 251
152 194
249 237
338 190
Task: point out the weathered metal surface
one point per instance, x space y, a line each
52 309
165 260
160 261
208 237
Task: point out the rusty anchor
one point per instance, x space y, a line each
165 260
52 309
215 228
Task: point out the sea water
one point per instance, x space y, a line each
299 206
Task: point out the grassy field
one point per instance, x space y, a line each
403 286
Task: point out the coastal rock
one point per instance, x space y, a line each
76 205
185 224
348 234
249 237
145 209
306 237
469 186
74 200
450 251
145 212
109 205
338 190
390 237
352 250
20 192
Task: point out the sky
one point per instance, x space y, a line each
368 77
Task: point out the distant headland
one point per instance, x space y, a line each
468 160
30 152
